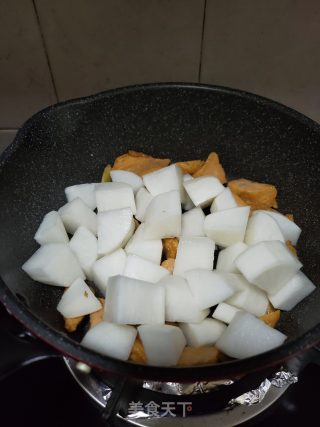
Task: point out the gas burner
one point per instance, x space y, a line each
100 393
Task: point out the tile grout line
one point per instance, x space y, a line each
45 50
202 39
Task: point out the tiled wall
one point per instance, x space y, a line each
51 50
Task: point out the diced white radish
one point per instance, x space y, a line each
114 195
77 213
84 245
54 264
111 340
290 230
164 180
163 344
114 229
127 177
85 192
51 230
134 301
148 249
248 336
227 257
143 269
294 291
163 216
225 312
203 190
143 198
223 201
192 223
268 265
78 300
209 287
108 266
188 204
227 227
247 296
194 252
261 228
180 303
205 333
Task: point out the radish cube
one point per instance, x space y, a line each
142 269
248 336
227 227
261 228
294 291
114 195
163 216
194 252
51 230
268 265
111 340
114 229
223 201
134 301
209 287
85 192
85 247
143 198
225 312
247 296
76 213
127 177
288 228
163 344
203 190
180 303
54 264
192 223
188 203
205 333
78 300
108 266
148 249
164 180
227 257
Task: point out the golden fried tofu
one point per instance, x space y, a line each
192 356
139 163
106 174
138 354
190 166
291 248
212 166
254 194
168 264
97 316
238 199
271 318
71 323
170 247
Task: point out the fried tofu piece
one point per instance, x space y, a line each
139 163
291 248
170 247
138 354
271 318
238 200
106 177
191 166
168 264
97 316
212 166
71 323
255 194
192 356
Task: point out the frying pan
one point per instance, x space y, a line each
71 142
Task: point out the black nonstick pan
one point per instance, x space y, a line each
71 142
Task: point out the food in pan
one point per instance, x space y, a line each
173 264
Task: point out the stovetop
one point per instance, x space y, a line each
45 393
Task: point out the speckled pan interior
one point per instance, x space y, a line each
71 142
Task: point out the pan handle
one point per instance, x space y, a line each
18 346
